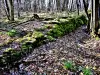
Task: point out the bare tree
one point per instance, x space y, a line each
11 10
88 15
6 8
18 7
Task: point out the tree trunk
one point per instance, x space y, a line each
11 10
77 3
7 10
95 16
18 8
89 16
58 5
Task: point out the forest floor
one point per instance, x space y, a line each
76 46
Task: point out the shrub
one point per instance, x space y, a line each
12 33
68 65
87 71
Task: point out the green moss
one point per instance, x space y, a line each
50 38
68 26
37 34
55 32
83 18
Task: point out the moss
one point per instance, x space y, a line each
12 33
83 18
50 38
37 34
67 27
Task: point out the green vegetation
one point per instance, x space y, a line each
12 33
50 38
36 38
87 71
67 27
69 65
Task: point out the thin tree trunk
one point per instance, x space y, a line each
77 3
95 17
7 10
11 10
89 16
18 8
